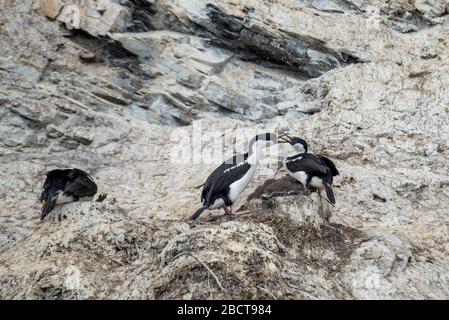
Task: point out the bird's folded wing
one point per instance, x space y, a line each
222 177
308 165
81 186
330 164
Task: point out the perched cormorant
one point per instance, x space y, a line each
67 185
309 169
227 182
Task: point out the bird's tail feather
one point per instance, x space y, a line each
49 205
329 194
197 213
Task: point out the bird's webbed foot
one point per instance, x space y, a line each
242 210
226 209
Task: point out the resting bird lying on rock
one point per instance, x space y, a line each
228 181
67 185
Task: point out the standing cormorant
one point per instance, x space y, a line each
227 182
309 169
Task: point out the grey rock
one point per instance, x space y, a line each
176 76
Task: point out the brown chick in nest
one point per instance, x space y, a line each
277 187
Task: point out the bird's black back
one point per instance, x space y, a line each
73 182
316 165
218 182
330 164
308 163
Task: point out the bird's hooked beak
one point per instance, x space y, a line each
284 138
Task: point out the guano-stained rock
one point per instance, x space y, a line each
364 82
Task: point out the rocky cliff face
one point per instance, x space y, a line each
113 87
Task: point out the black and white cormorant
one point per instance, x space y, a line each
309 169
66 185
227 182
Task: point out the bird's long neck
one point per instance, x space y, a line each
300 149
253 152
